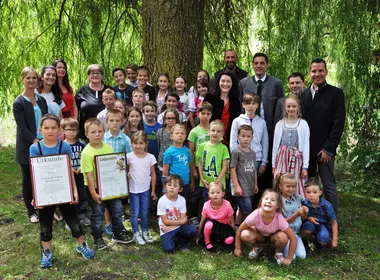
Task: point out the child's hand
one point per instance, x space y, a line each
195 172
192 186
237 252
78 171
153 195
334 243
197 241
305 209
97 198
256 190
287 261
36 207
262 170
76 198
205 183
304 174
300 211
184 221
238 191
164 228
313 220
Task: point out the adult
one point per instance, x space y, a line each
296 84
225 102
89 97
132 75
28 108
324 109
268 88
48 88
70 110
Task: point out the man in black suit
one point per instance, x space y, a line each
296 84
324 110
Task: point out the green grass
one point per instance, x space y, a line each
357 257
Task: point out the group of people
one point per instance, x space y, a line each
212 154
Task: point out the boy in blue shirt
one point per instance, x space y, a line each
151 126
321 221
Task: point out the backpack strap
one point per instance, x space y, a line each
39 148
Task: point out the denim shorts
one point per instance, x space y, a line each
245 204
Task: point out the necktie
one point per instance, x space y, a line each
316 92
259 90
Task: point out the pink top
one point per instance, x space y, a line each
221 215
277 224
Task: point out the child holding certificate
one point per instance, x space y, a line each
94 131
50 145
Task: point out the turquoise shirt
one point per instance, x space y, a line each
37 115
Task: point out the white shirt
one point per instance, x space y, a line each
261 101
139 172
172 210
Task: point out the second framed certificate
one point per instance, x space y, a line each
111 175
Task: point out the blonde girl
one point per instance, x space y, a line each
266 224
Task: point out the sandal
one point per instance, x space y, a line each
57 217
254 252
34 219
279 258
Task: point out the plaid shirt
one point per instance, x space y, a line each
120 143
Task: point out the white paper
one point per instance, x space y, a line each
51 180
112 175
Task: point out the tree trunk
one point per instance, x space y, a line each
172 38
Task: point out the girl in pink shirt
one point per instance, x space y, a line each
267 224
217 222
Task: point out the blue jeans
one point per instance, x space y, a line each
182 235
321 232
300 249
116 209
245 204
139 205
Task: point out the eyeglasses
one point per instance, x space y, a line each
170 118
71 130
96 74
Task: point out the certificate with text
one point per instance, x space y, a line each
111 175
51 180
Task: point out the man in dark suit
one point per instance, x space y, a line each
296 84
324 110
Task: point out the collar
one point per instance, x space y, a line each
290 201
263 79
321 202
109 135
314 88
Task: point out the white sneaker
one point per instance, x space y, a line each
138 238
146 236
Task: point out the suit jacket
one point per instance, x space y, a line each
273 90
279 114
23 113
326 115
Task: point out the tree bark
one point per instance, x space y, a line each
172 38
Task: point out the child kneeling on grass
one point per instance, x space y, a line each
50 145
266 224
173 221
217 222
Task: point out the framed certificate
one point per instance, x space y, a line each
111 175
51 180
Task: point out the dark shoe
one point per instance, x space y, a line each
100 244
124 237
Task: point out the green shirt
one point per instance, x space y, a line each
212 161
87 160
198 135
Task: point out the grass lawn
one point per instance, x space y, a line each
357 257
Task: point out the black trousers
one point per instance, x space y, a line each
27 193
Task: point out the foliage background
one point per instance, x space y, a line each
292 32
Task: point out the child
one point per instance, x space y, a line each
171 101
202 89
108 99
163 135
122 89
70 129
213 158
123 107
173 221
138 98
142 175
162 89
291 143
217 223
134 121
243 172
197 136
151 126
177 160
132 75
321 221
94 131
293 210
50 145
142 78
260 142
266 224
180 85
201 74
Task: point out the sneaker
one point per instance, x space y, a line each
108 230
34 219
146 236
137 237
194 222
100 244
184 247
86 221
124 237
86 252
46 259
